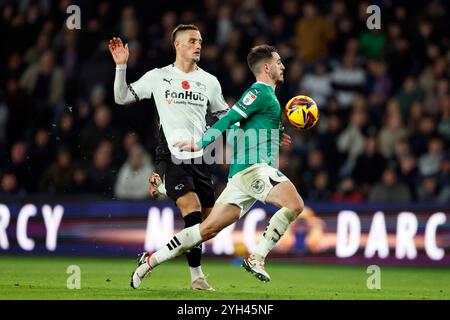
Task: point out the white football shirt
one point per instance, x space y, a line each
182 100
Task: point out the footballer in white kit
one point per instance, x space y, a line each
183 94
182 100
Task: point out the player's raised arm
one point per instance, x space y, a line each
123 93
118 51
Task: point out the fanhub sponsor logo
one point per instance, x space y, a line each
188 95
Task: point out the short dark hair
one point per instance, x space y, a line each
179 28
259 53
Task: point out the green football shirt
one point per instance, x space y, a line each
257 140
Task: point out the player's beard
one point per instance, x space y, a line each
195 58
278 79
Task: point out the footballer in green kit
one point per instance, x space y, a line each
257 139
252 176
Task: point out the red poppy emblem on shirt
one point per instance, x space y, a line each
185 85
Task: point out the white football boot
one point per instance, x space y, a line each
142 270
201 284
256 267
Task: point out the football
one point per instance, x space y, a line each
302 112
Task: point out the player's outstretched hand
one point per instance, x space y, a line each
285 140
186 145
118 51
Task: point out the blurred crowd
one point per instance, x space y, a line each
383 94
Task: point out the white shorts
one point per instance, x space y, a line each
250 185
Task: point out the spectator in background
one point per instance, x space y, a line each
45 82
444 180
42 153
430 163
369 166
402 148
69 54
100 171
317 85
408 173
348 80
419 140
14 68
389 189
409 93
441 91
429 190
400 57
132 179
68 134
321 187
444 122
224 24
379 89
20 110
444 173
352 140
347 191
98 129
345 31
313 34
291 12
372 43
251 18
276 34
19 164
327 141
315 163
238 80
392 132
9 185
58 177
43 43
129 140
415 117
80 182
436 69
3 122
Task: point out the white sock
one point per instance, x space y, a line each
196 273
179 244
277 226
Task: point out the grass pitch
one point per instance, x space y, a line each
46 278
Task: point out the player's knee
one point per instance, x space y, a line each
296 205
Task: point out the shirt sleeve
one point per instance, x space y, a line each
219 127
127 93
251 102
217 104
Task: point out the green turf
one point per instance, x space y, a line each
46 278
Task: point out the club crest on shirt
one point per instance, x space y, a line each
249 98
200 85
258 186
